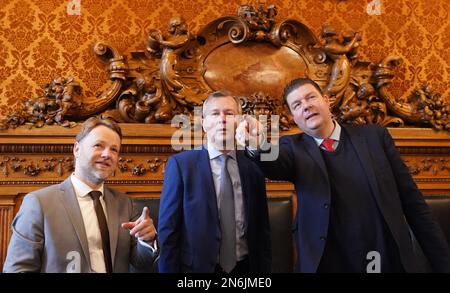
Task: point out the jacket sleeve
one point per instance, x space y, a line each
279 165
142 257
27 241
169 220
417 213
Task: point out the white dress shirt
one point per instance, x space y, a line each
336 135
90 221
91 224
239 209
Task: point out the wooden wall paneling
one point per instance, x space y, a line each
7 206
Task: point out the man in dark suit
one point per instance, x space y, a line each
213 214
355 196
81 225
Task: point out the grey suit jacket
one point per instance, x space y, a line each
49 234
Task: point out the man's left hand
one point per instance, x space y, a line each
142 228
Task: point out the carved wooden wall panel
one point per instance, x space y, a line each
253 55
6 216
41 42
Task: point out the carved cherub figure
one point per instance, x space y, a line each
173 46
338 52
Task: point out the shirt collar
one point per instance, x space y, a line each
214 153
336 134
81 188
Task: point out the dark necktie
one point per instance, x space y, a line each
95 195
227 256
327 144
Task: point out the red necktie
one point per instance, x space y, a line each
327 144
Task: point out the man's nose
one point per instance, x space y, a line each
223 117
106 153
306 106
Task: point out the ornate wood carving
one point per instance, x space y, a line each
6 217
428 165
250 54
33 166
41 148
139 169
9 164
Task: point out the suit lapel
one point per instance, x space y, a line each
205 173
113 221
362 151
72 207
314 151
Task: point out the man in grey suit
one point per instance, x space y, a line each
81 225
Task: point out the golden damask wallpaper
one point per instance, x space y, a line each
40 40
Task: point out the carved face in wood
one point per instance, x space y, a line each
311 111
96 155
220 122
177 24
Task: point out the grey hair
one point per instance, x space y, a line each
219 94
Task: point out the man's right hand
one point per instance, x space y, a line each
249 133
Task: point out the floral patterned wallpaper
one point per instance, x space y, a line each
40 41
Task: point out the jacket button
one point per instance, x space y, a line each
323 238
326 206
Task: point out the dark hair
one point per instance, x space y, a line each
94 122
296 83
219 94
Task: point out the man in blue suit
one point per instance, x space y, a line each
355 196
213 214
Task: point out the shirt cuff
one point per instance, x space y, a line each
252 152
153 245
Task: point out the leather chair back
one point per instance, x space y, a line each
280 217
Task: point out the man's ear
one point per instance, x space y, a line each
327 100
204 126
76 149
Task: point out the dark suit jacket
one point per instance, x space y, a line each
188 226
396 195
49 234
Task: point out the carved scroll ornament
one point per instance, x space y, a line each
250 54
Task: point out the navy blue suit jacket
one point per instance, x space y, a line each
397 196
188 226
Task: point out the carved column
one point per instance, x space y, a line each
6 216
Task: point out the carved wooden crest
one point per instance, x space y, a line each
252 55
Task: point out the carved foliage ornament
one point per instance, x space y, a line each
434 165
32 168
250 54
139 169
62 165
